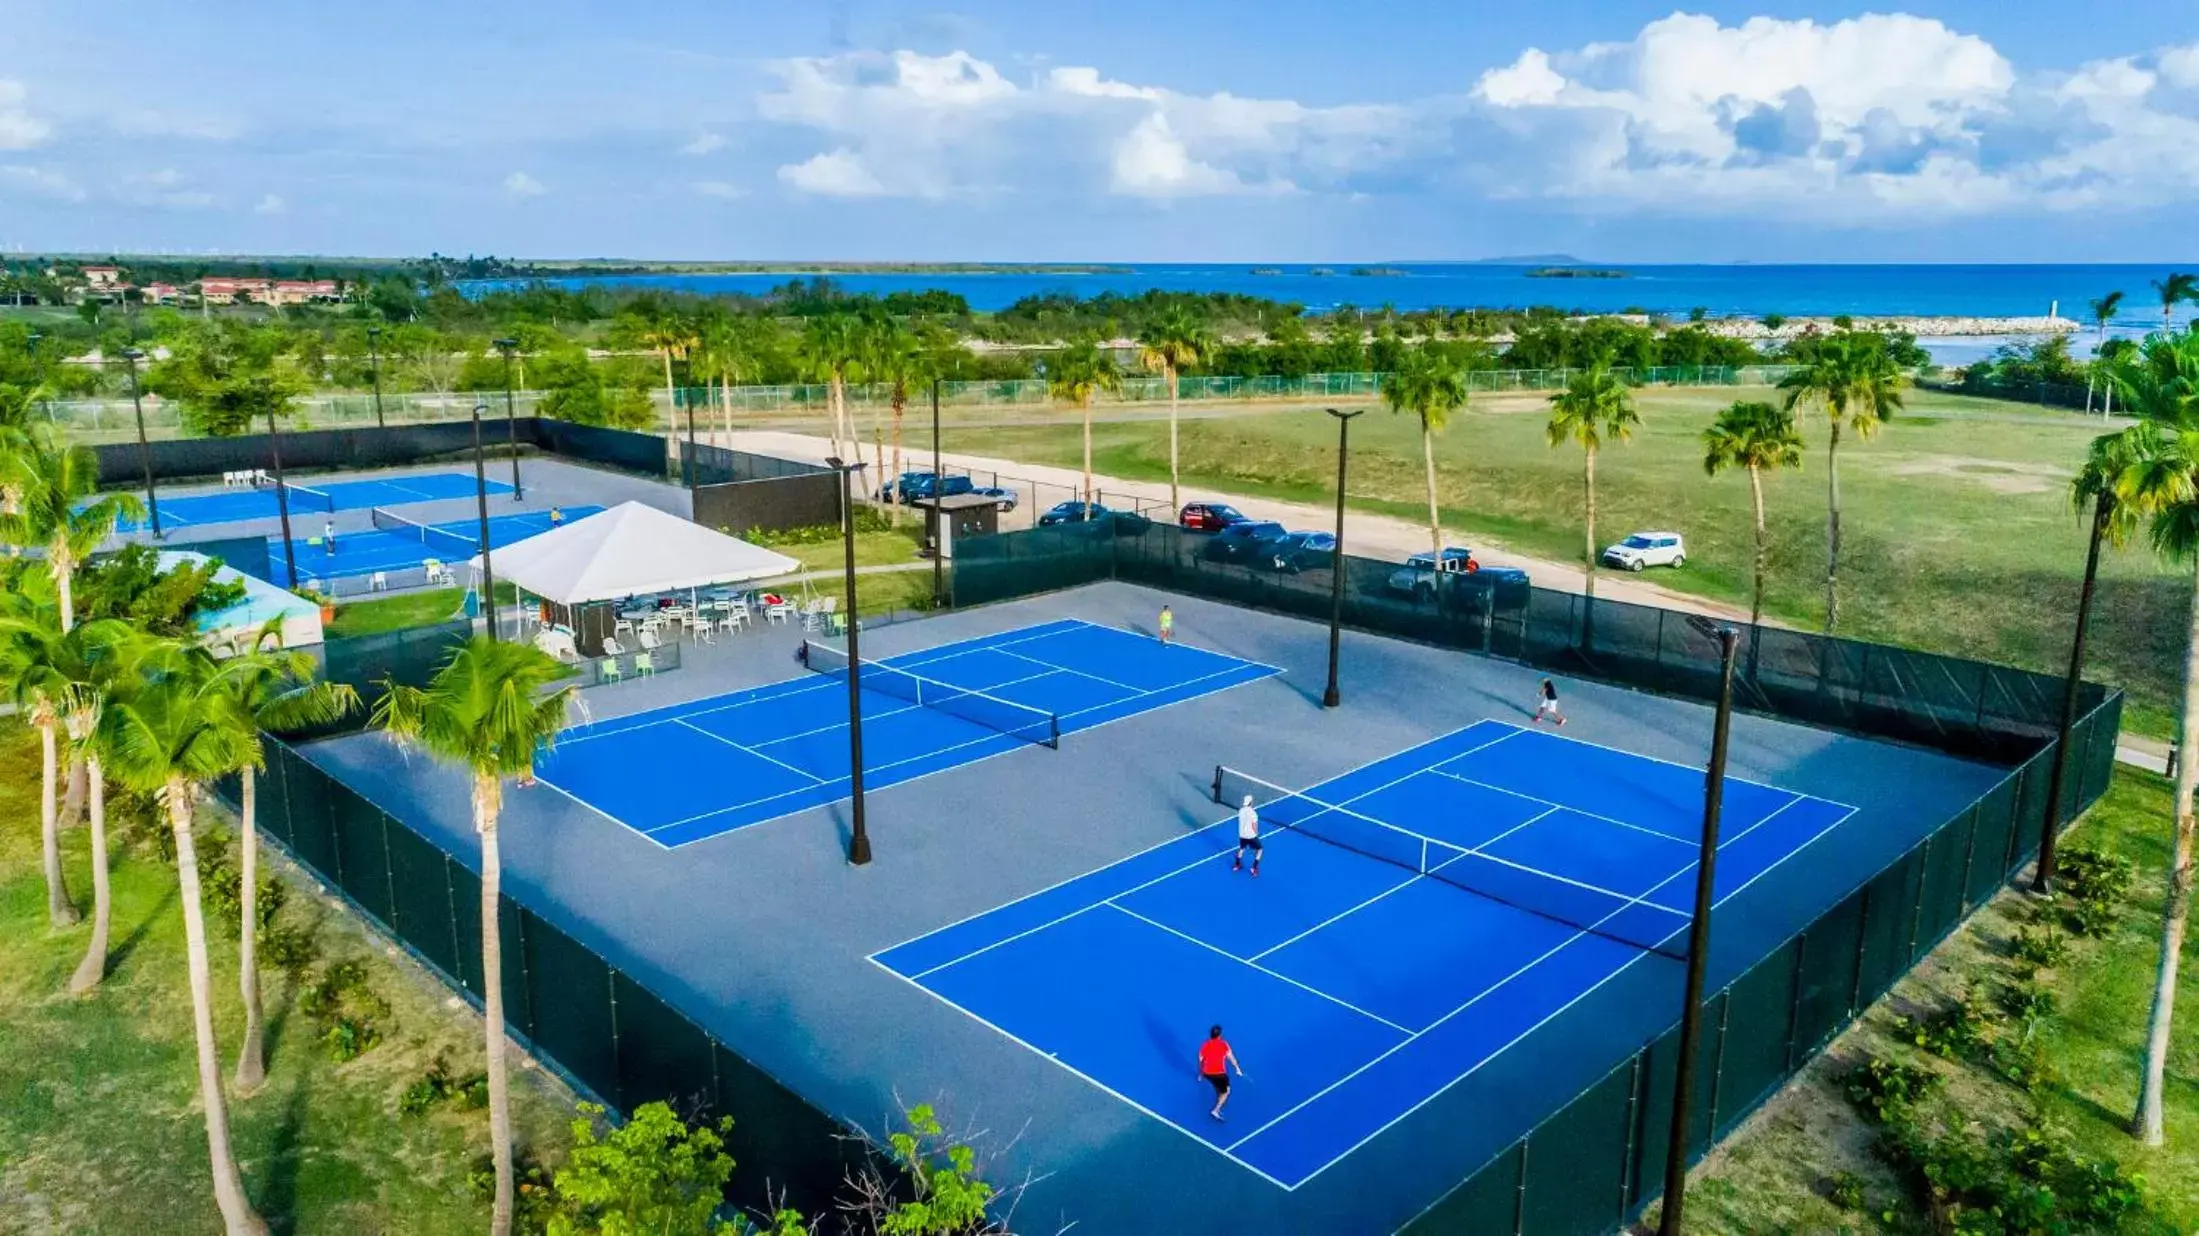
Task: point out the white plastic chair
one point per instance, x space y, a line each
646 638
437 572
378 582
611 647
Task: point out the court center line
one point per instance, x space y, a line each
1336 918
1071 670
1338 1002
1639 828
1081 1075
1658 759
1166 875
744 748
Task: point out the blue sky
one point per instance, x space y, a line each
1287 130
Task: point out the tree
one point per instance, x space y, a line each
1760 438
661 328
1855 382
1169 343
1594 408
2179 286
1078 374
50 481
228 376
902 359
2158 481
101 657
488 710
1430 387
272 688
171 734
827 353
652 1174
730 348
2103 312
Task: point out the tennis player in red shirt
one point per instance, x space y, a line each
1215 1061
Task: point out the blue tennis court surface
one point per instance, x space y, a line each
236 505
1353 988
367 551
709 766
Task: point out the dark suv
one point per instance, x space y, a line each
1249 541
913 486
1209 516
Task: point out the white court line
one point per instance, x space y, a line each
1665 836
1170 874
1654 759
1067 670
745 749
1080 1075
1335 1000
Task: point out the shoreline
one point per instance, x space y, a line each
1921 325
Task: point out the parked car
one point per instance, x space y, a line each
1304 551
1073 512
1249 541
912 486
1421 573
1647 549
1005 499
1209 516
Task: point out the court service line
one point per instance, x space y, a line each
1080 1075
1658 833
1274 974
1135 888
1069 670
1657 759
683 723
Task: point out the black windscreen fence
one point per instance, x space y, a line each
1597 1159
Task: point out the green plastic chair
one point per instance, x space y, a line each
607 670
645 664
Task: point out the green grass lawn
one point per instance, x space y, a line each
99 1125
1772 1174
394 613
1957 528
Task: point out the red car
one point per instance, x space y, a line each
1209 516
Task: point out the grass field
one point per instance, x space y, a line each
1772 1174
1957 527
100 1129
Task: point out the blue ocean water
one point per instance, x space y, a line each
1752 290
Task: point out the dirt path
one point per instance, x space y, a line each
1365 534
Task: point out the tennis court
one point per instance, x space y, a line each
1413 918
228 506
697 769
400 544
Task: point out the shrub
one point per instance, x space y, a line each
289 949
2044 950
1846 1191
1953 1031
349 1038
2029 1001
1882 1085
654 1173
2094 886
347 1011
438 1086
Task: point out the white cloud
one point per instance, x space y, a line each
39 182
1151 161
163 189
148 122
1881 118
2180 65
720 189
271 205
520 185
19 129
703 144
837 173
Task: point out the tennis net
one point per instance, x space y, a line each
318 499
1598 911
430 537
1022 721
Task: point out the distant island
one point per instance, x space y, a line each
1322 270
1266 270
1574 272
1384 271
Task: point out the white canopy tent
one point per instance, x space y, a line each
631 550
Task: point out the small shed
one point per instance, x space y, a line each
948 519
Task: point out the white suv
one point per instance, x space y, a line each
1647 549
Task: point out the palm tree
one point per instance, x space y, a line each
2179 286
486 710
903 359
104 653
730 349
1430 387
2103 312
1855 382
175 731
51 479
1594 408
1760 438
28 651
828 351
273 689
2158 481
1168 343
1078 374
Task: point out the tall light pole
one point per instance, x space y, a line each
859 837
282 498
481 507
1698 931
2103 512
939 513
374 358
1332 697
145 448
511 425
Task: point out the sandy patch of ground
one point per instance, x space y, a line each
1998 475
